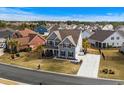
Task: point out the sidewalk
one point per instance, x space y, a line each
90 66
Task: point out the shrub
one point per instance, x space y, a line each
28 49
105 71
12 56
17 55
111 72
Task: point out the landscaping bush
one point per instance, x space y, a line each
28 49
12 56
105 71
17 55
111 72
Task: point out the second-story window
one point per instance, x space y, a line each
56 43
112 38
50 43
118 38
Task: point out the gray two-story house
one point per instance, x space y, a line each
65 44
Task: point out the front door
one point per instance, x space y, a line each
100 45
56 52
104 45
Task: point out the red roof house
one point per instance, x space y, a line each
28 38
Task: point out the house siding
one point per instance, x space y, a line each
113 43
37 41
117 43
66 49
78 48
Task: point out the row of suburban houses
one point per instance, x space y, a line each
64 43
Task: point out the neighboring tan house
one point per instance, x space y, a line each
104 39
28 38
65 44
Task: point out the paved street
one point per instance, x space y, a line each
36 77
90 65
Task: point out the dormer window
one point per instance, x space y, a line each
118 38
112 38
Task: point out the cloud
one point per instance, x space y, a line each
16 14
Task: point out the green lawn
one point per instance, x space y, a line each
30 60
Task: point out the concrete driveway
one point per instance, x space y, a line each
1 51
90 65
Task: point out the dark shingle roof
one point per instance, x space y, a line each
54 28
121 33
101 35
74 33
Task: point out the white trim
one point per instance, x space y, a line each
65 39
50 34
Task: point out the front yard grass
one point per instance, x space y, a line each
114 61
8 82
30 60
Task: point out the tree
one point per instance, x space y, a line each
2 24
13 46
85 44
40 50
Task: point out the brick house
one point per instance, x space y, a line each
28 38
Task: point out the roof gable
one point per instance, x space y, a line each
68 39
73 33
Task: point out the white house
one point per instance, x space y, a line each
103 39
87 33
2 42
65 44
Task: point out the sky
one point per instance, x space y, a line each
62 13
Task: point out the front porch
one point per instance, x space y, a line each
100 45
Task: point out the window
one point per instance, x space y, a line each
50 43
56 43
112 38
70 54
67 45
62 53
118 38
113 44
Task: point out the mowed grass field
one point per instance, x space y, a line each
30 60
113 60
